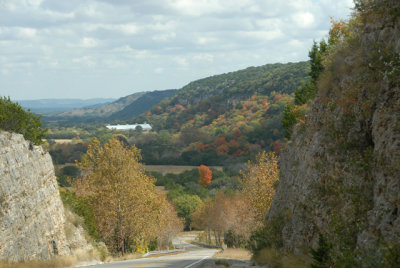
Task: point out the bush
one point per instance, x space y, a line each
14 118
288 120
81 207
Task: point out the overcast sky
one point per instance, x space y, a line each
113 48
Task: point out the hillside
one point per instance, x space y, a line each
141 104
338 190
235 114
103 110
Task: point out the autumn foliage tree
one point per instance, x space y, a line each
205 175
258 184
127 209
241 213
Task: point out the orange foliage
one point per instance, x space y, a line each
205 175
222 149
338 31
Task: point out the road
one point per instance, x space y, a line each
193 257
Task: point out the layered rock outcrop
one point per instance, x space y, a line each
340 173
31 212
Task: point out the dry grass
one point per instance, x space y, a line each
64 261
131 256
79 256
165 169
273 258
234 253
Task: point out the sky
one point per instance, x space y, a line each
113 48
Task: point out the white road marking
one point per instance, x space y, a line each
206 257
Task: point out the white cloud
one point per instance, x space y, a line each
159 70
85 60
27 32
88 42
303 19
204 57
182 61
129 41
164 37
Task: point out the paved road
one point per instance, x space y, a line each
193 258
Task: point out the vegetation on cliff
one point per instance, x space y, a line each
338 187
14 118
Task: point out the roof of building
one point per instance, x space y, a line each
127 127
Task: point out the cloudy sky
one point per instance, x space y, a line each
113 48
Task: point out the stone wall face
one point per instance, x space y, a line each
31 211
340 173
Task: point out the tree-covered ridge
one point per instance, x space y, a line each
230 115
142 104
214 95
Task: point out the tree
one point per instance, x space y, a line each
258 184
125 203
288 120
15 119
315 55
205 175
185 205
321 255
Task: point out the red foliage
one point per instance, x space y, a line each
277 147
220 139
200 147
237 133
238 153
277 97
234 144
222 149
205 175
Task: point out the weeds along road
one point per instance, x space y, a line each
192 257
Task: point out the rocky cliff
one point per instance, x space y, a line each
31 212
340 173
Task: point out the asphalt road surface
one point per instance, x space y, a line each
193 258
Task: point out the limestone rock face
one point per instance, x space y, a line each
31 211
340 173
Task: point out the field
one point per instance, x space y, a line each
165 169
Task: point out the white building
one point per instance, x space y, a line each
145 127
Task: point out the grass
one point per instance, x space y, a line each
165 169
79 256
234 253
271 257
222 262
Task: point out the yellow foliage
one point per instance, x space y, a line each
258 184
126 206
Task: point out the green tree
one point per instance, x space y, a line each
185 205
15 119
305 93
315 55
288 120
321 255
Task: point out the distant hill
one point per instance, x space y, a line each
58 105
142 104
103 110
216 95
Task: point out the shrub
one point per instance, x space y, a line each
15 119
